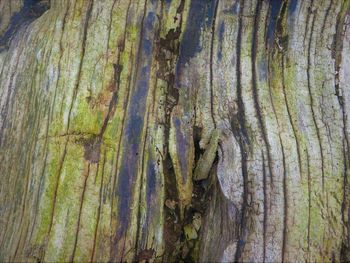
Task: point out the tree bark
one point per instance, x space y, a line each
169 130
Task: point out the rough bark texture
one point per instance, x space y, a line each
107 107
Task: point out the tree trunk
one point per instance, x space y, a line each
168 130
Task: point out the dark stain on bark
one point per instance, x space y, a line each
201 13
221 39
92 150
292 6
177 247
132 133
145 254
31 10
234 9
201 199
182 146
281 37
274 9
113 102
151 184
169 49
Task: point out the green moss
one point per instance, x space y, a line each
46 204
67 205
86 119
133 31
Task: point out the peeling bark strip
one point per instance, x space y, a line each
168 131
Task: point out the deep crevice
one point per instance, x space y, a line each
239 129
167 58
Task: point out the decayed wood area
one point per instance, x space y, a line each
168 130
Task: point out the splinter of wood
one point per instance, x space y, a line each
205 162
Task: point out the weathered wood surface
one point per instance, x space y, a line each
107 106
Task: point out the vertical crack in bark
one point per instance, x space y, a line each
80 211
83 45
285 208
280 34
54 200
42 173
326 16
115 89
27 145
308 14
265 220
168 58
309 205
118 236
50 117
254 49
4 110
212 62
144 164
99 206
294 129
121 135
117 71
32 145
337 48
139 54
125 106
140 196
308 72
112 103
240 132
114 181
90 5
138 117
30 161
